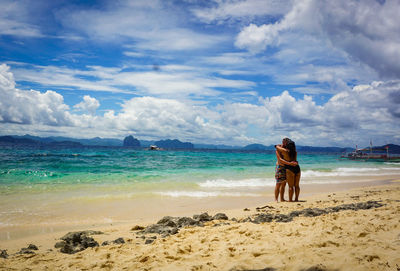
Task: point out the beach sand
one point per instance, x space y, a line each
343 240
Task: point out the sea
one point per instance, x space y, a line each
35 182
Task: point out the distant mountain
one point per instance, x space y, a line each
10 140
258 147
22 141
96 141
392 148
322 149
59 141
132 142
174 144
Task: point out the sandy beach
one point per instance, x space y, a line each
308 235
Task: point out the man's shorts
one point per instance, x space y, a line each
280 174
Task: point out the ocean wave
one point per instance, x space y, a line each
222 183
203 194
347 172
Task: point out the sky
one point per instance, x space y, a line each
234 72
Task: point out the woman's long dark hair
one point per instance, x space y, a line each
291 146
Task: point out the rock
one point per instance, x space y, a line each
168 221
130 141
310 212
25 251
187 221
60 244
262 218
137 228
32 247
246 209
149 241
160 229
3 254
74 242
174 144
28 250
220 216
283 218
119 240
295 213
204 217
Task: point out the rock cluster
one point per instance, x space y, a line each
3 254
28 250
169 225
74 242
117 241
311 212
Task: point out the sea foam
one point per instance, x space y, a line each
222 183
348 172
204 194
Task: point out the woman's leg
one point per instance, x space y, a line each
297 186
290 178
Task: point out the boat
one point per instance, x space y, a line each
368 154
155 148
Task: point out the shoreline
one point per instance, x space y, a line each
310 199
97 214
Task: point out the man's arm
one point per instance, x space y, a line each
282 161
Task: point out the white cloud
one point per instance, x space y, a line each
149 25
28 107
225 10
14 20
351 116
168 81
365 30
88 104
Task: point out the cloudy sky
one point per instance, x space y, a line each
325 73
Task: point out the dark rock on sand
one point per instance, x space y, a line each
137 228
3 254
187 221
160 229
312 212
28 250
283 218
169 225
149 241
168 221
117 241
32 247
74 242
204 217
220 216
261 218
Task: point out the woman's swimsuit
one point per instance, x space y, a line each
294 169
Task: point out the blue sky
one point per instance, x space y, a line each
226 71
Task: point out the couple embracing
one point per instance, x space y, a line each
287 170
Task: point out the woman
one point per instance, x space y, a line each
288 166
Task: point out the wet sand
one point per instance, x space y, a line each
343 240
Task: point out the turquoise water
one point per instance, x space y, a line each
50 187
163 171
